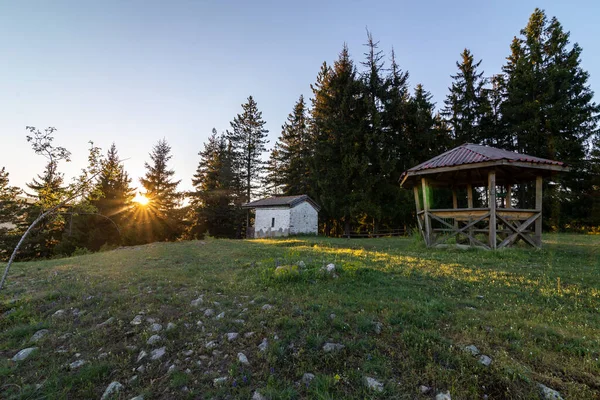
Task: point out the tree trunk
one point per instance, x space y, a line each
347 227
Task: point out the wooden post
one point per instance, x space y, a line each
538 208
426 212
470 205
455 206
418 205
508 198
492 205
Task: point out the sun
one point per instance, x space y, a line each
141 199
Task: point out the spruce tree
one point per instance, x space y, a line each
549 109
47 190
288 168
339 162
11 209
114 201
466 103
213 200
163 217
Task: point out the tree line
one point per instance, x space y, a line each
346 147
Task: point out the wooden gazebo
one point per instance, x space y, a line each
485 169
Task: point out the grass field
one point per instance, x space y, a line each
403 313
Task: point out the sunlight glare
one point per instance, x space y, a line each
141 199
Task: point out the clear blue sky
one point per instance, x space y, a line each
133 72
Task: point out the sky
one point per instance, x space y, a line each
133 72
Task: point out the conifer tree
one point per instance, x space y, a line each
213 200
549 109
339 161
163 219
466 103
11 209
288 168
114 201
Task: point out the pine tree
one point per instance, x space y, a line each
163 220
288 168
549 110
213 200
466 103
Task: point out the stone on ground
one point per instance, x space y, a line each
267 307
140 397
171 326
154 339
373 384
197 302
263 346
39 334
141 356
547 393
307 378
106 323
231 336
59 314
485 360
472 349
424 389
211 345
157 353
443 396
136 320
156 327
258 396
112 389
329 347
243 359
23 354
209 312
76 364
220 381
220 316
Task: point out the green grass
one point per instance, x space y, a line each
535 313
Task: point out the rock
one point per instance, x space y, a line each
199 324
424 389
377 327
197 302
131 347
153 340
156 327
485 360
267 307
330 268
171 369
106 323
480 297
65 336
133 379
188 353
263 346
76 312
142 355
231 336
301 264
373 384
472 349
141 369
248 334
150 320
23 354
329 347
211 345
171 326
220 316
102 356
243 359
59 314
209 312
112 389
219 381
443 396
307 378
239 321
76 364
549 394
157 353
39 334
332 316
258 396
140 397
137 320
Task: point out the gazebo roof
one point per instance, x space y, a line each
465 164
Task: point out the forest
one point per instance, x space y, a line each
346 147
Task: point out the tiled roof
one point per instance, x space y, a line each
474 153
281 201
